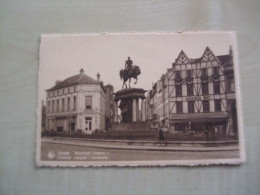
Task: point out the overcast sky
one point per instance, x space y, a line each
62 56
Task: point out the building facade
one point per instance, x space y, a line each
196 94
156 104
76 104
109 106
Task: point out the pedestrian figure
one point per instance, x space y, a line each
186 129
207 133
161 135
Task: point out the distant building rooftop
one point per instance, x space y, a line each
80 78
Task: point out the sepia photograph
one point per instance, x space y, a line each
139 99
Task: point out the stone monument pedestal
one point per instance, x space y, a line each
129 103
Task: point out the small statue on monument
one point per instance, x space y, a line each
128 64
130 71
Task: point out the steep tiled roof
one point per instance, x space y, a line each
207 55
74 80
224 59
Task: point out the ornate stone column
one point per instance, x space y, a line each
116 112
143 110
129 103
137 110
134 110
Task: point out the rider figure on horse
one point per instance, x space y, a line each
129 72
128 64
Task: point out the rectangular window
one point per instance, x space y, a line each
205 88
52 109
88 102
58 106
178 90
62 105
68 104
188 73
178 74
218 105
190 90
205 105
179 107
74 89
74 102
191 107
63 92
215 70
216 87
203 72
230 84
49 107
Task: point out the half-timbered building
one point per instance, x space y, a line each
198 94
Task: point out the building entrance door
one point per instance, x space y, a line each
59 124
72 126
88 123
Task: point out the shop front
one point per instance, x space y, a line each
199 122
66 124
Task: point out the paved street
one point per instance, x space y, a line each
53 151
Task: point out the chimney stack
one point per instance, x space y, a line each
230 50
57 82
81 71
98 77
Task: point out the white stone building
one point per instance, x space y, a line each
76 104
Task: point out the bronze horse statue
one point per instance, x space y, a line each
127 74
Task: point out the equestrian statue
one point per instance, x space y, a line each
130 71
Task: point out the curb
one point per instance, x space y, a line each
147 148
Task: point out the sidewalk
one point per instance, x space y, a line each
155 147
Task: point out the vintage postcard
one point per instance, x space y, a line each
139 99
